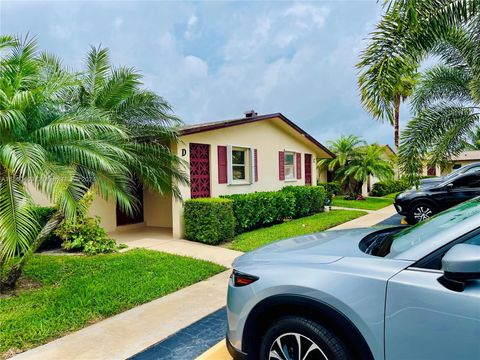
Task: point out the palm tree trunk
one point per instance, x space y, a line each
16 271
396 125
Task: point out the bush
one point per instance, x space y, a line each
308 199
331 189
258 209
86 235
209 221
383 188
42 215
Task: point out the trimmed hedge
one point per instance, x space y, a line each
308 199
258 209
383 188
209 221
331 189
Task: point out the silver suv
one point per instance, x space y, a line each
396 294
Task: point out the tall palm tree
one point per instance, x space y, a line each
45 143
446 103
345 149
403 89
368 160
408 30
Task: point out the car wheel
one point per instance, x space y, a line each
294 337
420 211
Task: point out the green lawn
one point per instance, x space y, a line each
80 290
370 203
307 225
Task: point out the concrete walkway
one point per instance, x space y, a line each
132 331
156 239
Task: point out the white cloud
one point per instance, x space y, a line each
195 66
191 26
307 14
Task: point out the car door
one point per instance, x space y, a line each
425 320
463 188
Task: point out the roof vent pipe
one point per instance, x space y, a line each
250 113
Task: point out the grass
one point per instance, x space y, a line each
370 203
307 225
392 195
79 290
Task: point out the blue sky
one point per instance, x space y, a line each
213 60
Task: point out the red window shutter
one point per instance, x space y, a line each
222 164
281 165
255 159
299 165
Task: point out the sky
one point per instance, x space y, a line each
213 60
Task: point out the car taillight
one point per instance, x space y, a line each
241 279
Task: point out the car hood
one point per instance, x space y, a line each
319 248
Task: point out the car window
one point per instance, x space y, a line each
472 170
423 231
474 240
467 181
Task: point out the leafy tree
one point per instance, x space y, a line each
446 103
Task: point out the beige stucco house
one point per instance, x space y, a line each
253 153
462 159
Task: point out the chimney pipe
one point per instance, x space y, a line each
250 113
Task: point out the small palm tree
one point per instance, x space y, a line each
369 160
117 93
345 149
49 145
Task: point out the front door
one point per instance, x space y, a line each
308 169
199 170
137 216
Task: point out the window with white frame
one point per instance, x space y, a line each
289 165
239 164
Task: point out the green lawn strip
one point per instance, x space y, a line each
80 290
370 203
392 195
307 225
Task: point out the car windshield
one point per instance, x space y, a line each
398 242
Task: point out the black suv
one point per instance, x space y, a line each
419 204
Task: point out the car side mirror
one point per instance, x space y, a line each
460 264
450 186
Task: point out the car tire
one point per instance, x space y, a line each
288 332
420 211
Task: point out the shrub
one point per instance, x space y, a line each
42 215
383 188
331 189
308 199
209 221
258 209
86 235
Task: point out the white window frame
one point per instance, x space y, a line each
249 167
294 172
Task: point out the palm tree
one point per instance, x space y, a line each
45 143
117 93
402 90
408 30
345 149
446 103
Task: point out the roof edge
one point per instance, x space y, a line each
228 123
